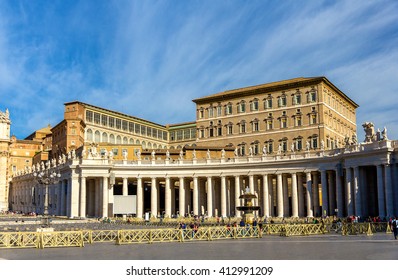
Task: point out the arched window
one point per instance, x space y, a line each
230 128
89 135
254 105
268 102
112 139
118 140
137 142
201 113
228 109
105 137
255 125
242 106
256 147
131 141
149 145
242 126
125 141
143 144
282 101
242 149
97 137
296 98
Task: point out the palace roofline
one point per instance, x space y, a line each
114 112
273 86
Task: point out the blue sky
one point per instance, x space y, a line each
151 58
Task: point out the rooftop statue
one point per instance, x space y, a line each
370 135
384 134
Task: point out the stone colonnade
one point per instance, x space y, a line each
341 191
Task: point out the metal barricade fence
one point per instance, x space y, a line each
80 237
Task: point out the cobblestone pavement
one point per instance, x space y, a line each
324 247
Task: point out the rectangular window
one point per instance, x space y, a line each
143 130
164 135
149 131
179 135
255 126
313 119
131 127
269 124
219 111
137 128
187 133
115 151
298 121
89 116
202 133
104 120
283 123
172 136
201 114
229 130
219 131
124 125
111 122
97 119
118 123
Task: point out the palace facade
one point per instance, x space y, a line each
292 143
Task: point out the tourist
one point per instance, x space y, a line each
394 225
242 223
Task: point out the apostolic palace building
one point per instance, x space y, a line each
292 143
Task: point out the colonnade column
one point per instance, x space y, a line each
195 196
74 196
154 198
125 187
331 193
265 196
315 191
308 195
325 202
209 197
285 195
181 197
237 194
140 198
300 195
357 193
83 197
339 195
61 198
105 197
223 197
380 191
294 196
388 191
279 196
348 193
167 197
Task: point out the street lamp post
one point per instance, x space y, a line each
46 177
